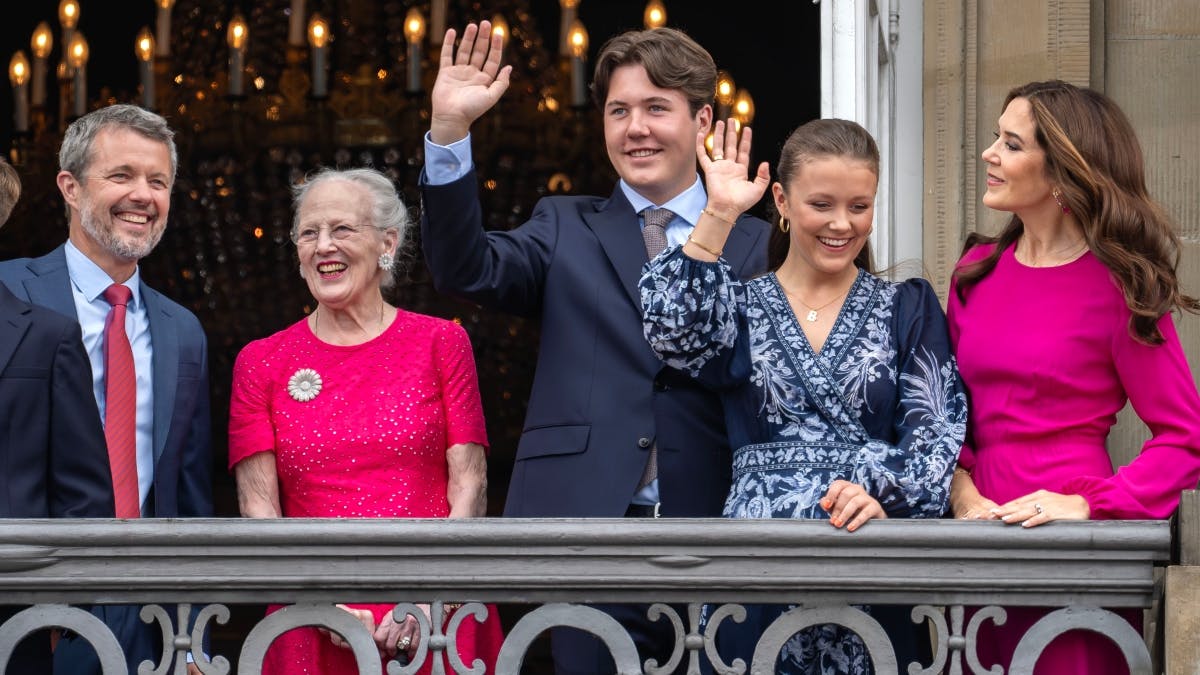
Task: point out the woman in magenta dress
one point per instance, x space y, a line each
1057 322
361 410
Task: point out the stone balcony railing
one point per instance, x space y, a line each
939 567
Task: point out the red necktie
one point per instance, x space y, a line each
120 407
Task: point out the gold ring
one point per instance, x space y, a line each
718 156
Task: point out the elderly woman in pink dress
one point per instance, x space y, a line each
360 410
1056 323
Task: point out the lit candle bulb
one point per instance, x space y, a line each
162 39
724 94
414 32
143 47
40 44
68 18
655 15
500 27
564 27
578 39
296 24
743 107
318 39
18 75
437 21
77 58
236 37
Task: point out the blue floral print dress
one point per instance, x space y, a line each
880 405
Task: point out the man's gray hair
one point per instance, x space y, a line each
76 152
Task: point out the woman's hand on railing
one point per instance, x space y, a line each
1043 506
850 506
965 501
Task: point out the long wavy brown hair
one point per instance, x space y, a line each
1094 159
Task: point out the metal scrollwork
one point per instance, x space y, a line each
1094 619
998 617
941 640
877 643
219 665
738 614
590 619
479 612
297 616
82 623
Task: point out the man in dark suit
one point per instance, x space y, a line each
117 168
51 443
609 431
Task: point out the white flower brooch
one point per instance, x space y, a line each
304 385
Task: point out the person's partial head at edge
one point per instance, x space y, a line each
10 190
819 139
116 169
655 91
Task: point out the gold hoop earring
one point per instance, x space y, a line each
784 225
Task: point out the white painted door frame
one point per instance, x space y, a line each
871 70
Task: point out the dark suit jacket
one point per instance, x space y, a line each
53 460
600 397
182 456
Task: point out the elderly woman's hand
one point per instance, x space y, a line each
363 615
1043 506
850 506
393 637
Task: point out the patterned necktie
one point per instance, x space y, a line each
120 407
655 230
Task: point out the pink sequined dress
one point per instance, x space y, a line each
1048 361
371 444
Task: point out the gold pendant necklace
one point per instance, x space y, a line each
811 317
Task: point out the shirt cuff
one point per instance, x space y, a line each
445 164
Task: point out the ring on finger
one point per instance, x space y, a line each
1038 507
718 156
404 642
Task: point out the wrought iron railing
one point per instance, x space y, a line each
940 567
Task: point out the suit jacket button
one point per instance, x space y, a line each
643 442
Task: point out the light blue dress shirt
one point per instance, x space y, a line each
88 283
447 163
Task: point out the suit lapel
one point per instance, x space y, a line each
165 364
13 325
615 225
51 285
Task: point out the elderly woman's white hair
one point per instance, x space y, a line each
387 210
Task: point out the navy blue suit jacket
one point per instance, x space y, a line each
600 396
182 427
51 443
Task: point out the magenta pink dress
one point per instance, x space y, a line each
1048 361
371 444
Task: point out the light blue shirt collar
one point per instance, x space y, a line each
687 204
91 280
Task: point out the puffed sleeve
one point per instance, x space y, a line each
691 310
250 427
911 478
462 407
1159 384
